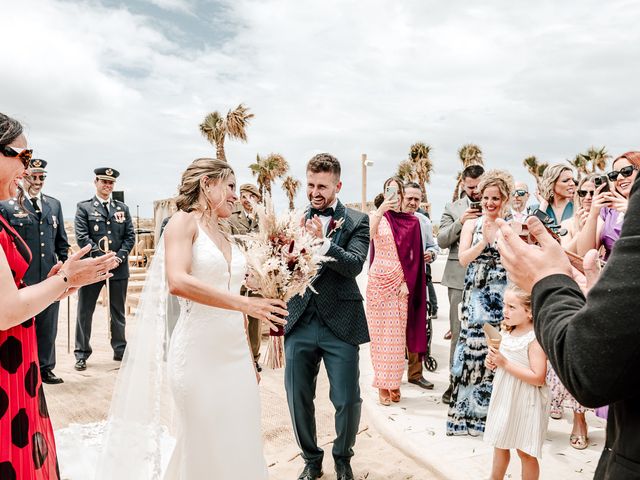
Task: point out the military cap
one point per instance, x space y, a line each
106 173
248 187
37 165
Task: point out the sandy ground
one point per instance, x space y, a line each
85 398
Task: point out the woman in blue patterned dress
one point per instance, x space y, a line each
482 302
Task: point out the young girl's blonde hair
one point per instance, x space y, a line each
523 296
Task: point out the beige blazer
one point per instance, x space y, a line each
449 237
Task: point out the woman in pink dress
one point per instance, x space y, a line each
396 292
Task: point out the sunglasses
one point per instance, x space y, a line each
22 153
624 171
583 193
39 177
520 193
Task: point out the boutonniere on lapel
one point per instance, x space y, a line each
334 226
119 216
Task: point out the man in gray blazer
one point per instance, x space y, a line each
328 325
453 217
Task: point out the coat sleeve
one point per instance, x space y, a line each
129 237
592 343
61 242
450 228
350 259
81 226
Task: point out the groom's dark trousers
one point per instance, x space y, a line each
329 326
311 342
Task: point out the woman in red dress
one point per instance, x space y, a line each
27 446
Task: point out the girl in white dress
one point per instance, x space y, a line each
518 411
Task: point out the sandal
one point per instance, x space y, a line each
383 396
579 442
395 395
556 413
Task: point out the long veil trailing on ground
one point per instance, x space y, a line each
140 412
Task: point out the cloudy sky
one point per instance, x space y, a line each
126 83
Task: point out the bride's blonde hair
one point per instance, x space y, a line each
191 185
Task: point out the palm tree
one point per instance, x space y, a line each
216 128
406 171
534 168
290 186
594 159
470 154
268 169
419 155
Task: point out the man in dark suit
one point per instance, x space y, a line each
242 222
591 343
38 219
329 325
105 224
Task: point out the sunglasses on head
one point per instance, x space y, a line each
583 193
22 153
520 193
624 171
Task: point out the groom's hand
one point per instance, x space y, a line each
314 227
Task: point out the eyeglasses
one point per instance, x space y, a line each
22 153
39 177
583 193
520 193
624 171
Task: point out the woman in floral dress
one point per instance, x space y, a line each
482 302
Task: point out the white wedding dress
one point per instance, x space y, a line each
187 412
213 382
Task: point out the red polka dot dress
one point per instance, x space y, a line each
27 447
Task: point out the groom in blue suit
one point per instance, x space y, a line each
329 325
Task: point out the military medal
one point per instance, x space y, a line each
95 228
21 215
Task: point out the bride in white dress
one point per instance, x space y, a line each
211 377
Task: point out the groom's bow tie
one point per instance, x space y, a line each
327 212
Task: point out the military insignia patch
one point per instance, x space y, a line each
21 215
109 172
36 163
119 216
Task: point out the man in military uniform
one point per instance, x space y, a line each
38 219
98 221
242 222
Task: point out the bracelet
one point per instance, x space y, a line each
61 273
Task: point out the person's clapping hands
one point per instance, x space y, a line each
525 263
314 227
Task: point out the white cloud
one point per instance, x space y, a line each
103 86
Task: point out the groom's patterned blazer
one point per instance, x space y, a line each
339 303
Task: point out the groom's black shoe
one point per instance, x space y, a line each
311 472
343 470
